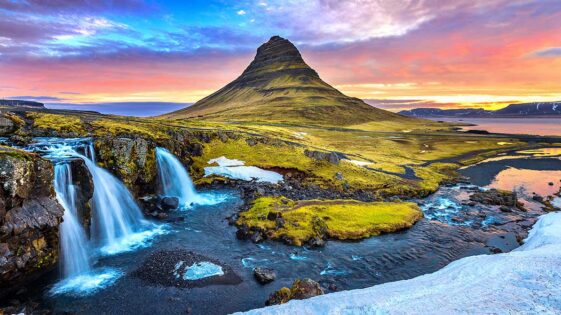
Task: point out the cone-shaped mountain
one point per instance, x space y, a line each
278 86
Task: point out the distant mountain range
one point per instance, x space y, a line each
20 103
278 86
538 109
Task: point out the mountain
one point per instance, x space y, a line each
538 109
278 86
20 103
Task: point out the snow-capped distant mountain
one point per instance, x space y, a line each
537 109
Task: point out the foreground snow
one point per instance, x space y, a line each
524 281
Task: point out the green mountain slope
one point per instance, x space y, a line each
278 86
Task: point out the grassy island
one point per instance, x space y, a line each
300 221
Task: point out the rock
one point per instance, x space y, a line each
305 289
316 242
339 176
169 203
279 297
29 218
550 183
264 275
243 233
257 237
300 290
505 209
330 157
496 197
279 223
274 215
537 198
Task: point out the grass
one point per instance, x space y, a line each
124 127
62 124
339 219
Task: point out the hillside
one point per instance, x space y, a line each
20 103
278 86
537 109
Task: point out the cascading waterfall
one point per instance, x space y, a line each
117 223
116 214
174 179
73 241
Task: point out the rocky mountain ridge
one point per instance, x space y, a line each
536 109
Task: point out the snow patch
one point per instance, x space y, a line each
224 161
199 270
524 281
235 169
300 135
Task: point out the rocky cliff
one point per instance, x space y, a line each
29 217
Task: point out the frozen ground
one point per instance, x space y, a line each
524 281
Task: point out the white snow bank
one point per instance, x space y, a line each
235 169
224 161
524 281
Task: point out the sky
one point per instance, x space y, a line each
394 54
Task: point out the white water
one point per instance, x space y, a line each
73 241
115 213
117 223
174 179
175 182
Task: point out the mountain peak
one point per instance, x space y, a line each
277 54
278 86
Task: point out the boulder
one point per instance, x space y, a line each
300 290
496 197
264 275
169 203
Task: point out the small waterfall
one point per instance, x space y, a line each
73 241
116 214
174 179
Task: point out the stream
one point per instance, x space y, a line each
452 228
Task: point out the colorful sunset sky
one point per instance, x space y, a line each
395 54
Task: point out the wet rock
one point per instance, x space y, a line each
537 198
264 275
29 218
315 242
300 290
169 203
497 197
505 209
243 233
257 237
279 223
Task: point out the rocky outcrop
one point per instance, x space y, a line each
497 197
29 218
300 290
133 160
82 179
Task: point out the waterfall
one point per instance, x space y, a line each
116 214
73 241
174 179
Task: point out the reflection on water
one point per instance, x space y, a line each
542 152
532 126
545 183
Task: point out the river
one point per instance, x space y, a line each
451 229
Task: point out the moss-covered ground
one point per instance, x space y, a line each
339 219
385 158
